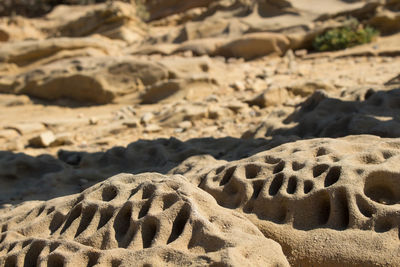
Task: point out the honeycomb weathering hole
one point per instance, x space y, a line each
149 231
109 193
319 169
308 186
333 176
271 160
316 215
383 187
296 166
92 259
55 260
56 222
321 152
364 207
169 200
252 171
227 176
148 191
179 224
34 252
279 167
276 184
11 261
87 217
257 187
292 185
74 214
105 215
122 221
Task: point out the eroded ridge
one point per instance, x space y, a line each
146 219
339 190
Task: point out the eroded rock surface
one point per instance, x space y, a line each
261 151
146 219
323 199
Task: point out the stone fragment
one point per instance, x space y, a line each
270 97
93 121
253 45
42 140
238 86
15 145
152 128
147 117
132 123
63 139
215 112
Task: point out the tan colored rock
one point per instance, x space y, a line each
254 45
216 112
4 35
132 123
147 117
270 97
323 200
9 100
18 29
152 128
44 139
95 80
238 86
203 46
387 18
160 9
116 20
167 91
146 219
14 145
62 139
8 134
206 29
26 127
162 90
309 88
26 52
323 116
161 49
393 81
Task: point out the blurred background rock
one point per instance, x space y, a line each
37 8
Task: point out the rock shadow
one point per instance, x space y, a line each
24 177
376 113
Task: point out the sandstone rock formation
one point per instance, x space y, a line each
323 199
145 219
198 133
322 116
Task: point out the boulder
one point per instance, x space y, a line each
270 97
26 52
254 45
159 9
116 20
93 80
44 139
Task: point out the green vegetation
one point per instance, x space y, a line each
344 37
